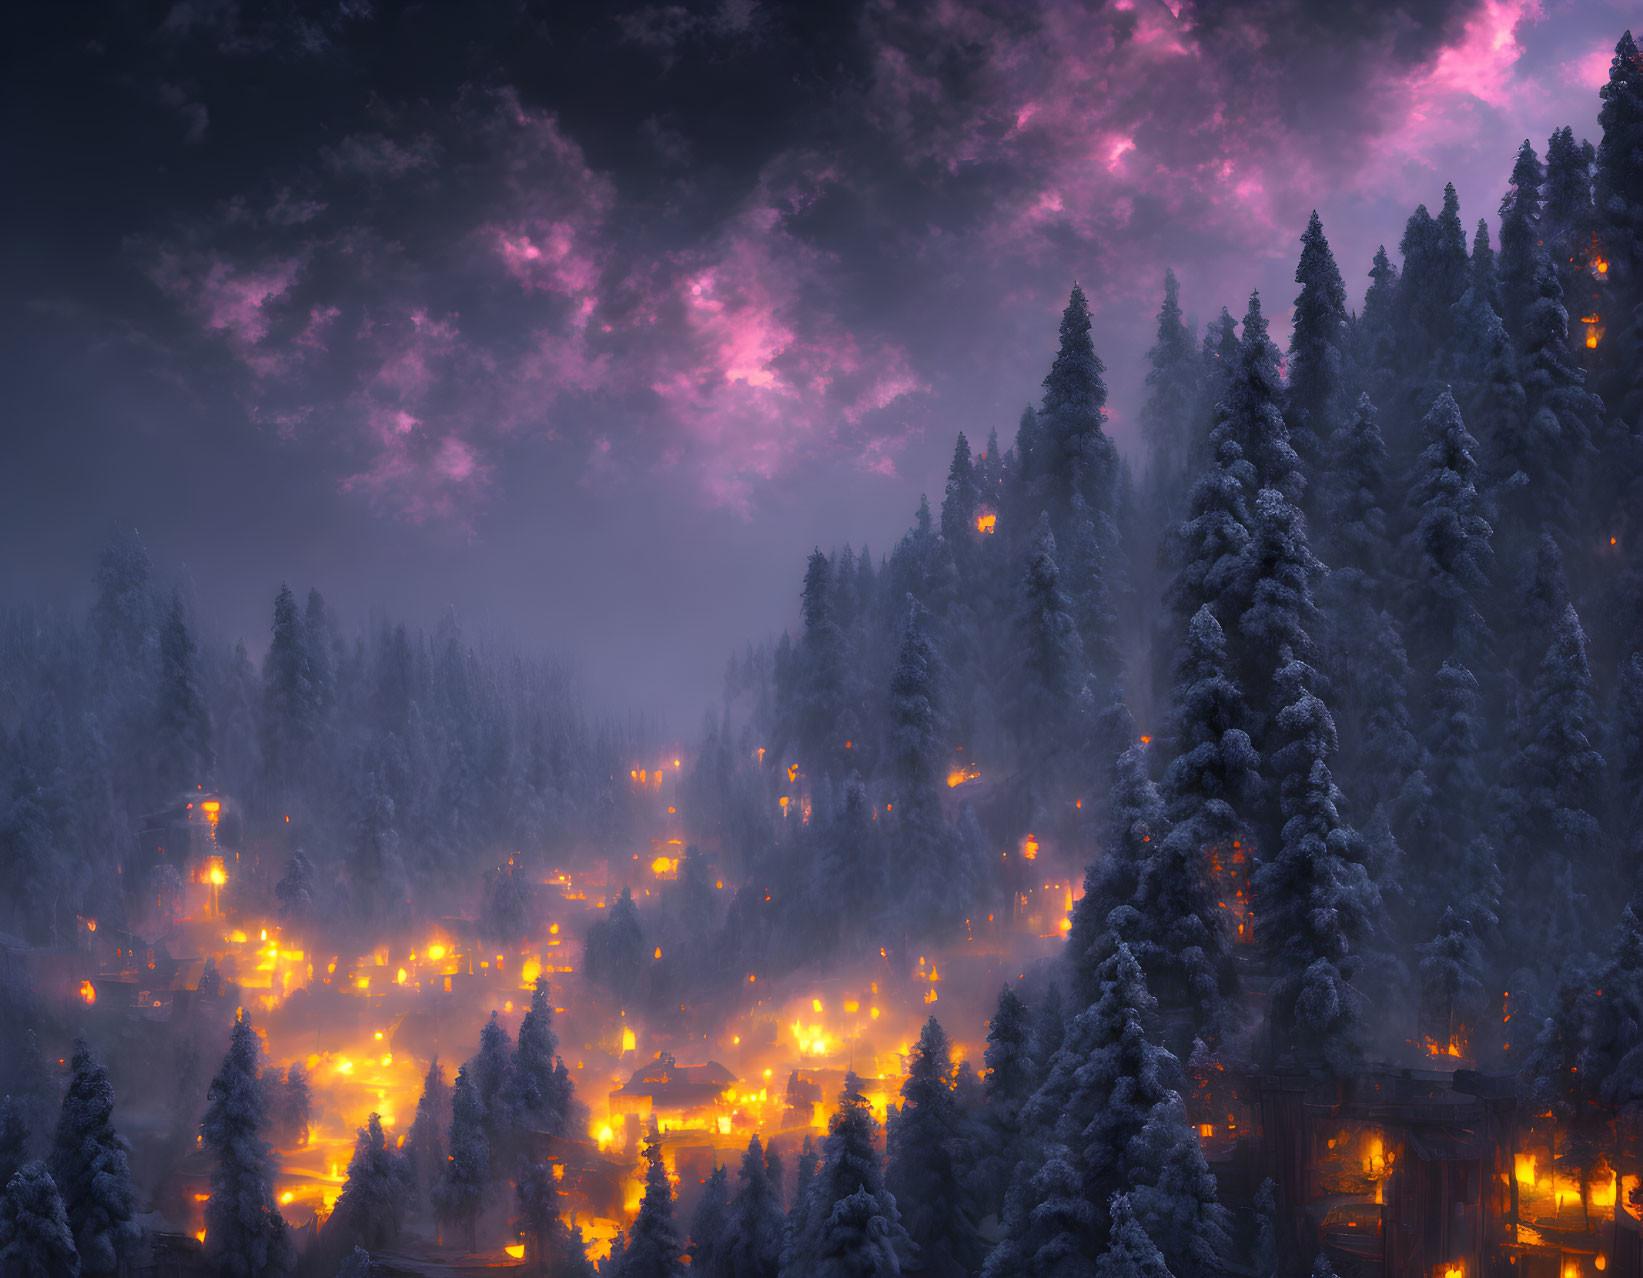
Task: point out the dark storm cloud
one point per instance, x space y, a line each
449 262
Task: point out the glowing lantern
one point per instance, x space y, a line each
986 522
629 1042
1029 848
88 993
1594 330
436 952
516 1250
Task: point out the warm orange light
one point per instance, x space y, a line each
1029 848
436 952
199 1236
91 924
88 993
986 522
1206 1130
629 1042
958 776
792 772
516 1250
658 953
1146 740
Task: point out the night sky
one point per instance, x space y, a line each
590 320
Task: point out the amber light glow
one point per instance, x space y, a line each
986 522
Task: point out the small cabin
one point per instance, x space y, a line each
670 1090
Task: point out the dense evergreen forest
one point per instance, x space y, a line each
1356 642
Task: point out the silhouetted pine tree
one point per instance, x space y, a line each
926 1148
466 1177
245 1235
850 1224
1317 362
653 1249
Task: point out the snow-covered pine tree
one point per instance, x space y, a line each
536 1094
373 1196
653 1249
851 1225
1450 547
1131 1252
1521 249
245 1235
1170 417
925 1151
1209 790
465 1179
88 1162
1550 804
1074 451
1008 1077
1136 826
708 1228
35 1239
183 732
14 1139
424 1146
1315 903
755 1222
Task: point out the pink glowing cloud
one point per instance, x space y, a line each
733 346
227 299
